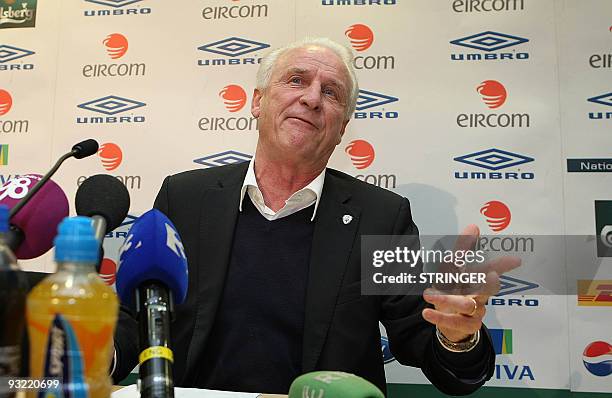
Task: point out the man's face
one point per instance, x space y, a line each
302 111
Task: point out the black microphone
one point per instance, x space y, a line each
78 151
106 200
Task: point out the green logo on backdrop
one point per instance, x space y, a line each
17 13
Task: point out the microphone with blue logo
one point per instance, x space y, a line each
153 275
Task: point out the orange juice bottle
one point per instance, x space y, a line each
71 317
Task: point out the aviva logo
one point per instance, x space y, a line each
4 152
502 340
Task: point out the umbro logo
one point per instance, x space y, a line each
370 99
223 158
494 159
10 53
604 99
114 3
510 285
111 105
489 41
233 47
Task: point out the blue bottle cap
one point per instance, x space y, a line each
75 241
4 218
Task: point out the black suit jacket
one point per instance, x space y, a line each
341 326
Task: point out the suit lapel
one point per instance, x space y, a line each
332 242
219 211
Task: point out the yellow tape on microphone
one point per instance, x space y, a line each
155 352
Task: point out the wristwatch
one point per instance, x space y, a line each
465 345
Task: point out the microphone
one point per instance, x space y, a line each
330 384
79 151
32 230
106 200
153 274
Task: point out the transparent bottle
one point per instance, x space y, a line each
71 318
13 293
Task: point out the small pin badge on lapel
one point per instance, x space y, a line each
347 218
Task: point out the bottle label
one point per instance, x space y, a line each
10 360
64 361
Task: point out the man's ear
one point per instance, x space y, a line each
256 103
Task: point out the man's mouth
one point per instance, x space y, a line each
303 120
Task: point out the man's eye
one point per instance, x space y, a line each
330 92
296 80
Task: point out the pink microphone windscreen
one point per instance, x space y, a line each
39 218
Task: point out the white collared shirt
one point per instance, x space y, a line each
301 199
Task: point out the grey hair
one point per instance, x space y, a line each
344 53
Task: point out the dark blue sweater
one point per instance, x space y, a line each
256 341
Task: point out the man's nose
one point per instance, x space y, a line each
311 97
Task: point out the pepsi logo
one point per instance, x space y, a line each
234 97
6 102
361 36
108 271
497 215
361 153
493 93
111 155
597 358
116 45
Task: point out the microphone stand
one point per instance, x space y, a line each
154 305
40 184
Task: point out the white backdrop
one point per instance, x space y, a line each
439 79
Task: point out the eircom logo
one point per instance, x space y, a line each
497 214
111 156
361 153
116 45
493 93
234 97
108 271
6 102
360 36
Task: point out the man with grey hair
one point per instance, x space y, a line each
273 247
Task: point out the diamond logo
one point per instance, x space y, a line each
233 47
111 105
489 41
113 3
370 99
10 53
493 159
510 285
604 99
223 158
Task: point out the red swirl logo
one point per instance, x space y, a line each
493 93
116 45
6 102
361 153
108 271
111 155
361 36
497 215
234 97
